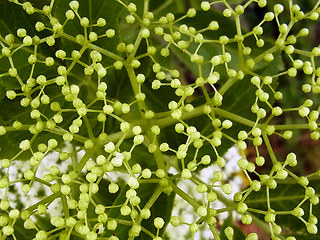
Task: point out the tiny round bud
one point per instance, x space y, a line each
303 32
113 187
145 33
140 78
229 232
227 12
112 225
212 196
145 213
191 12
132 7
268 16
202 211
25 145
146 173
158 222
260 43
205 6
226 188
193 227
74 5
312 228
110 33
278 8
101 22
303 181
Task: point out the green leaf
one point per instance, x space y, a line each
12 17
229 222
2 92
286 197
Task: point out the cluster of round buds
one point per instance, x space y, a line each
191 42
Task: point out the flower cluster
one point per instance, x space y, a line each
108 90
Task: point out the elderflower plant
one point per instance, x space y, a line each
109 109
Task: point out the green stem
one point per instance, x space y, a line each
135 47
227 209
135 86
263 225
88 125
152 180
84 160
215 232
257 211
269 148
239 32
227 85
157 154
93 47
234 117
61 131
291 126
153 198
46 200
168 121
261 56
150 202
42 181
64 205
184 195
303 53
221 197
145 6
114 137
129 223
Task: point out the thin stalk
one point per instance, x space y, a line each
135 86
46 200
184 195
84 160
168 121
129 223
64 205
149 204
153 198
234 117
93 47
227 85
291 126
215 232
269 148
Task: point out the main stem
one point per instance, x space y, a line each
141 104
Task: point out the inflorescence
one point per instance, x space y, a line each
69 96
